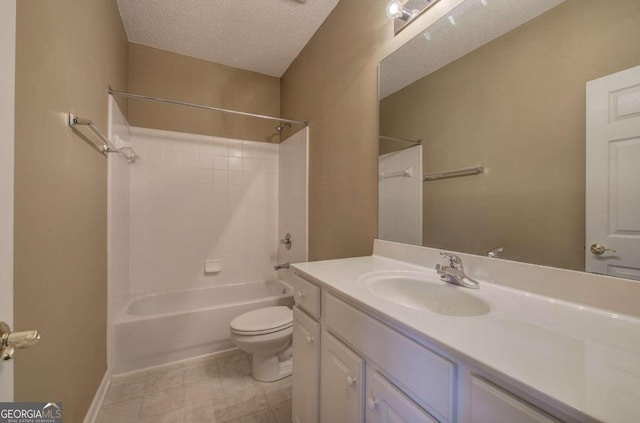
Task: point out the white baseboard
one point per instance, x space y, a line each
92 413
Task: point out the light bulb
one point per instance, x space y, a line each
394 9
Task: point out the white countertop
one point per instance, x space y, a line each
586 360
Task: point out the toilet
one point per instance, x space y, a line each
266 333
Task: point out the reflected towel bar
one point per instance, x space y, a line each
405 172
466 171
388 138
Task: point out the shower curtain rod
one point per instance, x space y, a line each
414 142
200 106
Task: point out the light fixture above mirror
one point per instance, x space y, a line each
396 10
403 12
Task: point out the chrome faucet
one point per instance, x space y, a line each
494 253
281 266
454 273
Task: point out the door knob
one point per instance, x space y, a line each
598 249
371 404
350 381
7 353
10 341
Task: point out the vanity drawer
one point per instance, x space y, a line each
307 295
426 377
491 404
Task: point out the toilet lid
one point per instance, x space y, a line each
263 319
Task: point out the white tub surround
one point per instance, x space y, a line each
195 198
160 328
293 208
571 360
118 170
193 236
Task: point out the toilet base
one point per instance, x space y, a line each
270 368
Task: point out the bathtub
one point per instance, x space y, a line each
160 328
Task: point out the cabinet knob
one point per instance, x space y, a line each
300 294
310 339
371 404
351 381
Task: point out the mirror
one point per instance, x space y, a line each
496 93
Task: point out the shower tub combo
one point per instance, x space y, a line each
165 327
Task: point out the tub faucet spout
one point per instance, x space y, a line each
281 266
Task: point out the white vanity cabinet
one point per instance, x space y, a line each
305 407
365 369
421 374
341 384
489 404
306 377
386 404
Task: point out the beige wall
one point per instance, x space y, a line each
67 54
517 106
163 74
333 84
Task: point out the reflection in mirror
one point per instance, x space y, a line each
403 12
504 87
400 192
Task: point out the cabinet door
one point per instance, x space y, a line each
426 377
306 337
342 383
490 404
386 404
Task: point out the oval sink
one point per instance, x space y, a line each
421 292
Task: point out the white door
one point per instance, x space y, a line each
341 383
7 99
613 175
306 363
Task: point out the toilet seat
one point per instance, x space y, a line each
263 321
261 332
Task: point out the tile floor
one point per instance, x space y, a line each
212 389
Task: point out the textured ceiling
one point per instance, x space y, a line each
477 22
259 35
